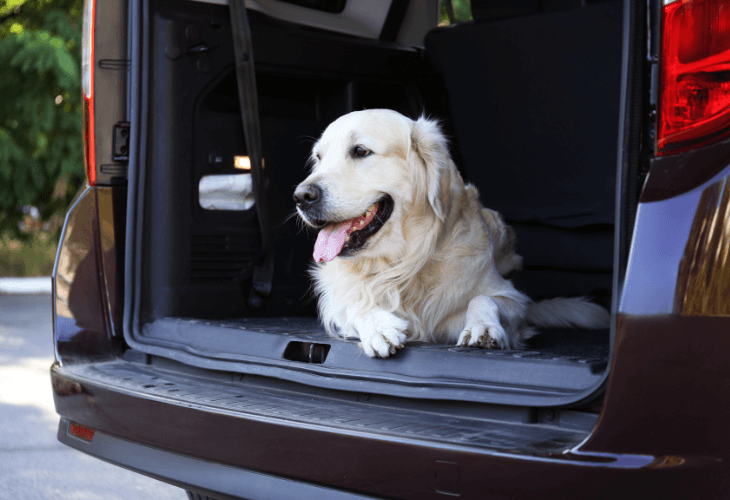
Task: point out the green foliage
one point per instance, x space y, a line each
462 12
41 156
33 257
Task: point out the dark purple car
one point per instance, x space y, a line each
186 337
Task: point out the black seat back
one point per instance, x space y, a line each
535 106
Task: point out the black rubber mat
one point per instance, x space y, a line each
557 364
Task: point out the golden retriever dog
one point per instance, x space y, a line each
405 249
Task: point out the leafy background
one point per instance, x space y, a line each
41 158
462 12
41 155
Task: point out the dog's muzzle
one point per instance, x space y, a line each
307 197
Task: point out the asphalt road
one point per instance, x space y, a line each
33 464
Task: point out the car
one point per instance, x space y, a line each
187 344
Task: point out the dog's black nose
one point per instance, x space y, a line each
306 196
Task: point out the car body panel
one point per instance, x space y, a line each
402 466
86 285
659 431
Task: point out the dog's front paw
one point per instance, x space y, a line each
381 333
483 328
487 335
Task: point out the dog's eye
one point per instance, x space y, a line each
359 152
318 156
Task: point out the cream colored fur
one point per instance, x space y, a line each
435 271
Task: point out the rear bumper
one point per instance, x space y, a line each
241 439
203 476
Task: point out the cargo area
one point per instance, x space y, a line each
531 106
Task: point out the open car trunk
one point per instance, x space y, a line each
531 105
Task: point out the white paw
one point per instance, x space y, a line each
381 333
487 335
483 328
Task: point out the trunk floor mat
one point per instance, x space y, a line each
556 364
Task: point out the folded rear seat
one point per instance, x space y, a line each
541 148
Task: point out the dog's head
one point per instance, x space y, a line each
375 174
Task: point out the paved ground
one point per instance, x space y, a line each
25 285
33 464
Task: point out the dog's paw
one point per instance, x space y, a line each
487 335
381 334
483 328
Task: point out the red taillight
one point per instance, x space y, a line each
694 103
87 85
80 432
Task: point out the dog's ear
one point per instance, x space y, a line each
429 143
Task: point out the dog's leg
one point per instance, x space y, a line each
381 333
485 317
482 328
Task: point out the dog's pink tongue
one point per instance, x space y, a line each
330 241
332 237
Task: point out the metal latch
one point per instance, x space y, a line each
120 142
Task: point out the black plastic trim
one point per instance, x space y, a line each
444 372
139 76
331 6
393 21
628 151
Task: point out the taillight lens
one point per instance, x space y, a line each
694 103
81 432
87 86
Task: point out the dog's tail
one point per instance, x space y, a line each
567 312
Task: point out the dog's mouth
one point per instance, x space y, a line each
349 236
